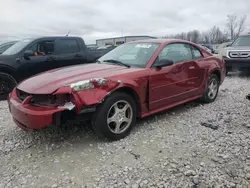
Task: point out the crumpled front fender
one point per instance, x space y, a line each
94 96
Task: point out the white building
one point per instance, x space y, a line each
120 40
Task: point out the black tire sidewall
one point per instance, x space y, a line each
13 84
205 97
99 120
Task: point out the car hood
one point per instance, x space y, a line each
5 57
48 82
238 48
224 51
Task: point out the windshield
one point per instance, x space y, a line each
132 54
5 46
17 47
242 41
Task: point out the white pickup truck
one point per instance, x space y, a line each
237 55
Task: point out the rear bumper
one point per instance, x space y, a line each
237 64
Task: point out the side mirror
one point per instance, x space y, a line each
164 63
248 97
28 53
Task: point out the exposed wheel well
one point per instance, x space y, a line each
217 73
9 71
134 95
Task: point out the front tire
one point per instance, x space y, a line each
115 118
7 84
212 89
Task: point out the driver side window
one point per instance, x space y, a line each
45 47
177 52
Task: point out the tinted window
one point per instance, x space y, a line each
67 46
196 52
177 52
45 47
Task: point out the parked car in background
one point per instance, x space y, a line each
136 79
206 48
32 56
6 45
103 49
237 55
209 47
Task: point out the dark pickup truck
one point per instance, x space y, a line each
32 56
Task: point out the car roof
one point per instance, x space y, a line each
161 41
50 37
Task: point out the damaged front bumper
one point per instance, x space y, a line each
34 117
76 101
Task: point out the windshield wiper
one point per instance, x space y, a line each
116 62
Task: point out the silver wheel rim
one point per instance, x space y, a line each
212 88
119 117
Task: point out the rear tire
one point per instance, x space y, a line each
115 118
7 84
212 89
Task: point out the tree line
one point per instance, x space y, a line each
233 28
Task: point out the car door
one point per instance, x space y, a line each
168 84
69 52
43 58
195 72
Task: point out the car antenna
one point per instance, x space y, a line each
68 33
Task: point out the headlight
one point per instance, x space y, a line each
88 84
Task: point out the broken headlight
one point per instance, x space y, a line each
88 84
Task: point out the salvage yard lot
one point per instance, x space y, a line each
194 144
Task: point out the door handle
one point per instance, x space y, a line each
191 67
50 59
78 55
177 69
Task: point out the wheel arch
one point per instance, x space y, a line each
130 91
217 73
9 70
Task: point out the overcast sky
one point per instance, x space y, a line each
94 19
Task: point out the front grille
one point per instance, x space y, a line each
22 95
49 100
239 54
44 100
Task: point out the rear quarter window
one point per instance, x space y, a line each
67 46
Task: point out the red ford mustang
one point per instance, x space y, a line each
134 80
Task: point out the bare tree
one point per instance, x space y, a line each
189 36
232 24
216 35
241 26
235 26
195 34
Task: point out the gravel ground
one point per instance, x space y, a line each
193 145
